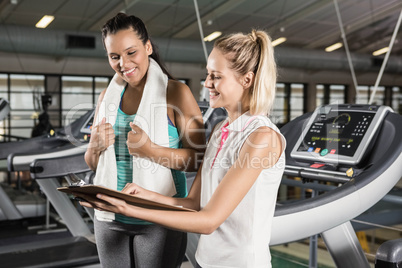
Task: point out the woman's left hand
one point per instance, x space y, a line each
138 142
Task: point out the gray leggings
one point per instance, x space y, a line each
139 246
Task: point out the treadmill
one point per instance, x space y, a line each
80 248
70 135
356 147
14 204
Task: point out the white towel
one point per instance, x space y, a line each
152 118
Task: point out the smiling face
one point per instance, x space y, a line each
128 56
226 88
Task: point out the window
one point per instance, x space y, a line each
296 100
397 99
77 96
3 95
25 102
330 94
337 94
363 95
25 91
279 108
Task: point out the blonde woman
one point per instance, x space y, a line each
234 192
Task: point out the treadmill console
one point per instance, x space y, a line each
87 126
339 134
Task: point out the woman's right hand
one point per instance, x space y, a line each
138 191
102 136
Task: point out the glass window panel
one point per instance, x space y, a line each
362 95
3 130
100 84
27 83
25 101
277 115
22 123
76 91
379 95
320 95
4 95
397 99
71 115
336 94
296 100
72 100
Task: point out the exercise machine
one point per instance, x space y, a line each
17 156
354 146
80 248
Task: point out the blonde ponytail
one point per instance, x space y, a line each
253 52
264 89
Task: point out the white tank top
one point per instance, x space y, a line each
243 238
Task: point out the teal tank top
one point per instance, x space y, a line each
125 164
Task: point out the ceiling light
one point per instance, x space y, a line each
278 41
380 51
212 36
334 47
45 21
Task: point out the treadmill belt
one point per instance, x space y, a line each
63 255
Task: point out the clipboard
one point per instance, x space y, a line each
93 190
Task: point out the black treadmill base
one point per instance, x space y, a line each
64 255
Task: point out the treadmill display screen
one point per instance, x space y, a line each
336 133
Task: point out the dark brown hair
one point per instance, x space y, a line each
123 21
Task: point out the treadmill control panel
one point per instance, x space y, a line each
339 134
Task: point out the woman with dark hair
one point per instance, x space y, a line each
146 131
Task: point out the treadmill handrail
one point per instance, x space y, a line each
317 174
45 168
21 162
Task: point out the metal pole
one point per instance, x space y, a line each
200 28
384 63
343 35
313 244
